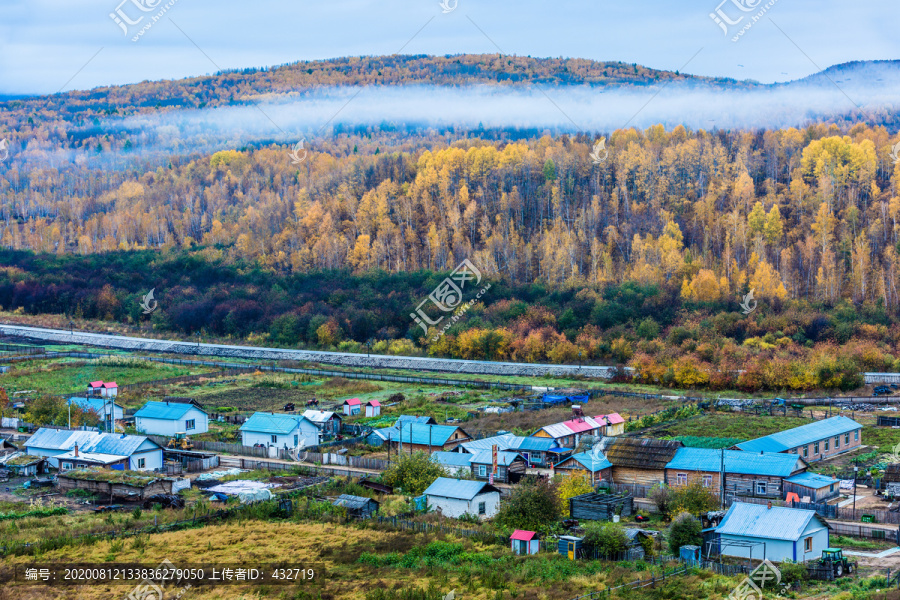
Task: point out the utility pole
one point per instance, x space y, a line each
722 481
855 475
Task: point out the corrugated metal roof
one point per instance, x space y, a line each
414 419
532 444
459 489
319 416
588 461
613 418
271 423
759 521
521 534
799 436
95 404
418 433
95 457
557 430
486 457
743 463
812 480
88 441
163 410
486 443
452 459
352 401
580 425
348 501
373 403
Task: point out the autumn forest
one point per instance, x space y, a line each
641 258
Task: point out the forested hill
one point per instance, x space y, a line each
240 86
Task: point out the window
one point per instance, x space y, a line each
846 439
274 439
482 470
807 544
805 451
707 481
682 478
190 424
296 439
482 509
816 448
761 488
837 442
826 445
142 462
66 466
831 488
856 435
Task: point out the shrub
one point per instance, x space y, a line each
663 497
413 472
685 530
694 498
607 538
533 505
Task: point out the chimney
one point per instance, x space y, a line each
769 505
76 450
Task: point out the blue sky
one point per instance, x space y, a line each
52 45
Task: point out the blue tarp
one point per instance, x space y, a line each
553 399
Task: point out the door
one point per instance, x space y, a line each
571 550
527 458
523 547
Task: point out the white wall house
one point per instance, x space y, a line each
776 533
169 418
456 497
279 430
143 453
101 406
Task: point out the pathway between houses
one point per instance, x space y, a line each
882 554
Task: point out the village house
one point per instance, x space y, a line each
812 442
108 389
757 474
773 533
279 430
328 422
169 418
594 466
102 406
510 466
413 437
373 408
812 487
142 453
456 497
352 406
74 459
537 452
383 434
568 433
640 461
615 424
455 464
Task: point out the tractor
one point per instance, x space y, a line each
180 442
835 563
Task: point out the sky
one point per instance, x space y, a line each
47 46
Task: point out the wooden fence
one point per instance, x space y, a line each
250 464
829 511
864 530
375 464
227 448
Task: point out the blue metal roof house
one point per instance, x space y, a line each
169 418
818 488
759 474
454 463
814 441
279 431
595 466
143 454
771 532
101 406
420 436
456 497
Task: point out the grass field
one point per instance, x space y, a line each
68 375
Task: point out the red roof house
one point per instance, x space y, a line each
525 542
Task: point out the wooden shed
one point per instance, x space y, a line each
638 460
600 507
357 506
815 487
525 542
570 545
373 408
